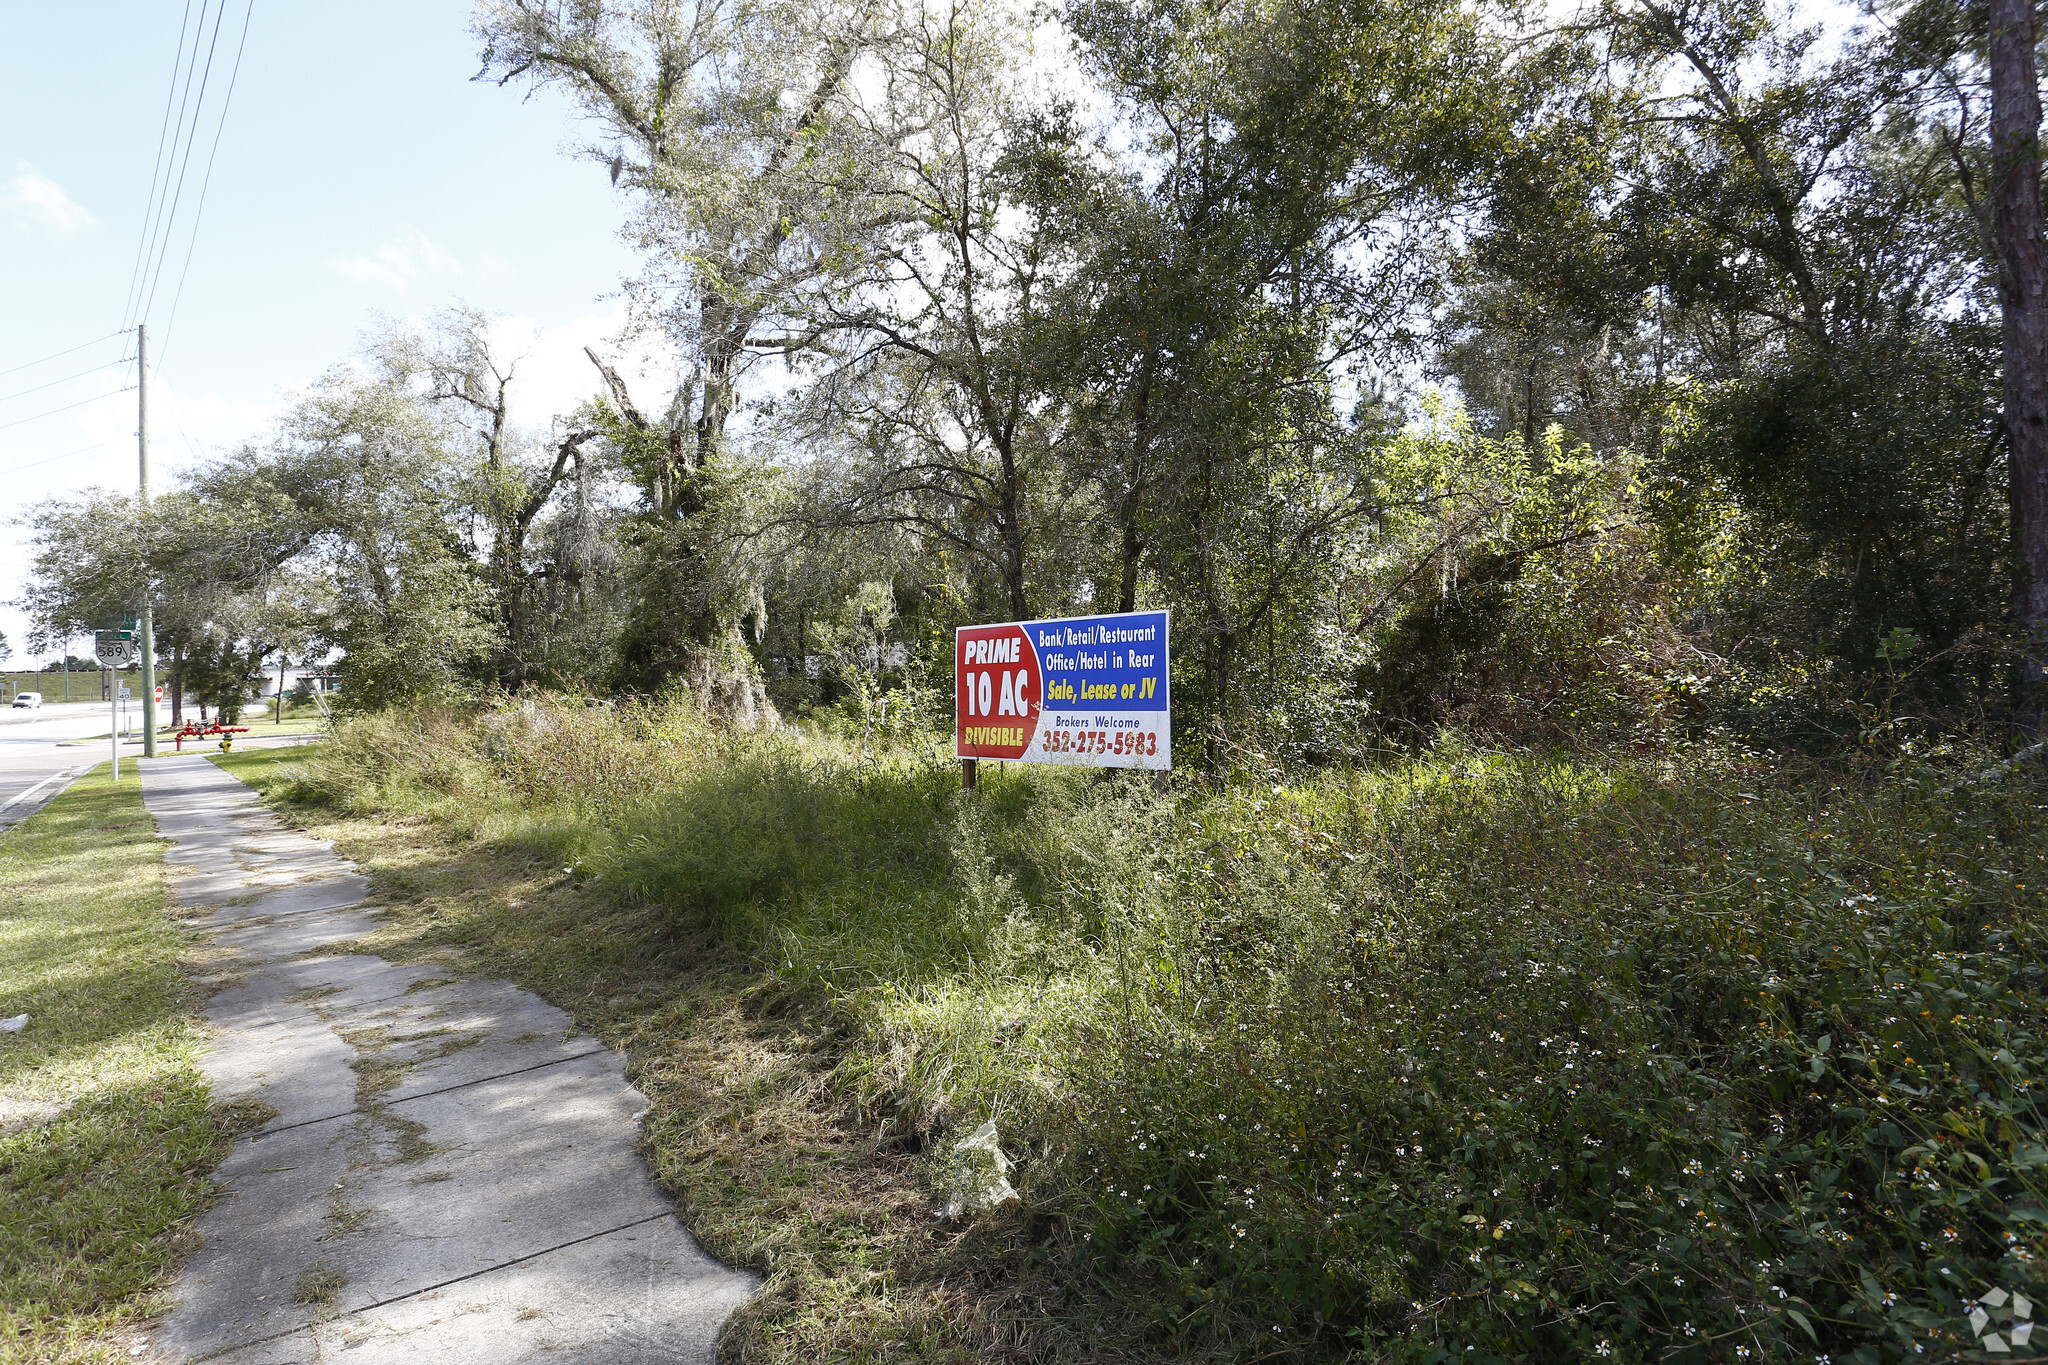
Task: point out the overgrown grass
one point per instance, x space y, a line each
776 1164
1474 1057
106 1141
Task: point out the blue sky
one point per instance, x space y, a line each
361 171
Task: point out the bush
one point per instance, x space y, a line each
1560 1065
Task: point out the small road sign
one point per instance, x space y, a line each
115 646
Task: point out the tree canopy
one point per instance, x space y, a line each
1437 365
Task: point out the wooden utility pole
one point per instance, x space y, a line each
148 641
2023 300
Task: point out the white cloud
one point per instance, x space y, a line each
188 428
185 428
553 374
39 204
93 445
399 264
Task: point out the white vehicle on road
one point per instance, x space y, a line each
29 699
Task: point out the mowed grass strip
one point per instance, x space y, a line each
106 1142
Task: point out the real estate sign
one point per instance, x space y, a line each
1091 690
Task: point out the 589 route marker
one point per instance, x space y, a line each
1090 690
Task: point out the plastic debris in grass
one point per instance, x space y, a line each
979 1176
14 1025
2001 1321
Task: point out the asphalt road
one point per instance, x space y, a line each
35 766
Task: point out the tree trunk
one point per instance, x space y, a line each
1010 517
2023 296
725 335
1133 550
1132 500
507 564
1529 405
1216 664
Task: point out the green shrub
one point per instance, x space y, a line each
1575 1068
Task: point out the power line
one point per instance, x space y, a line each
59 355
156 225
23 393
23 421
181 421
160 243
206 183
82 450
185 163
157 164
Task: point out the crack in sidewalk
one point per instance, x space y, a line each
430 1288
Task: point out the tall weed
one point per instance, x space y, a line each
1474 1057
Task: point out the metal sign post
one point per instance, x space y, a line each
115 648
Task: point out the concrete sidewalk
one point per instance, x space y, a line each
450 1174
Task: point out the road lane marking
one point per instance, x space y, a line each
26 793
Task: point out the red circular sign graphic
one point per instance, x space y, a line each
996 691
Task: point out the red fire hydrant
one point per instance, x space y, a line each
227 734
